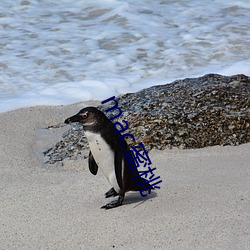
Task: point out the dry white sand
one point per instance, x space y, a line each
203 203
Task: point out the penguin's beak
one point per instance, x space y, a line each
74 118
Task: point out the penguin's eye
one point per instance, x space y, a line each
84 115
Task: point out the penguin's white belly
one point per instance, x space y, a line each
104 157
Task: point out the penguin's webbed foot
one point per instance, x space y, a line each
111 193
113 204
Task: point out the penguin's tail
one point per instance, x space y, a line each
140 184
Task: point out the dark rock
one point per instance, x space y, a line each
190 113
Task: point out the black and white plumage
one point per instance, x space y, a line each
106 154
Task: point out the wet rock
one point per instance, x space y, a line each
190 113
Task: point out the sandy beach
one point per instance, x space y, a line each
203 203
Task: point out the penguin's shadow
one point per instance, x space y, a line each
137 199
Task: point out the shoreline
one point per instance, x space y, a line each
203 201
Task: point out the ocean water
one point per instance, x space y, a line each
61 52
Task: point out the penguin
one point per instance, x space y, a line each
106 154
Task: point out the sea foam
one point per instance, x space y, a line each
64 52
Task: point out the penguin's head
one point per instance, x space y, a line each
88 117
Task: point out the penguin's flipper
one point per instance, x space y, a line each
111 193
92 164
113 204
